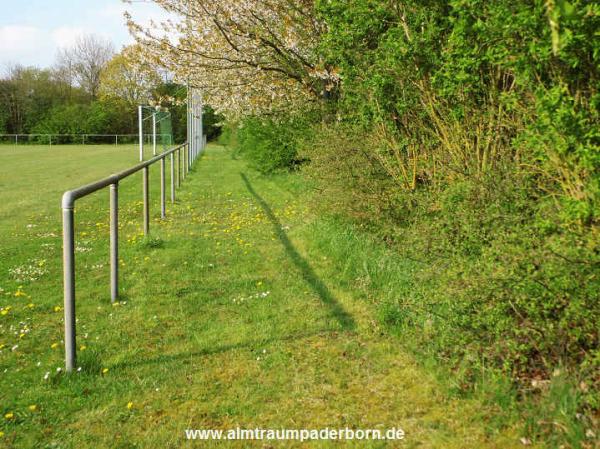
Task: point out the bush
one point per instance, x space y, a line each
464 134
269 145
502 281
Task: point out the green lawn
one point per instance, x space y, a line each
231 315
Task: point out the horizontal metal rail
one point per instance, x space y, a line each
82 138
81 135
68 213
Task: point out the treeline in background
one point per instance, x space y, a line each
91 89
464 135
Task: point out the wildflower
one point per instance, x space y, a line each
4 312
32 408
129 405
31 305
47 375
82 347
54 345
57 308
104 370
20 292
1 434
9 415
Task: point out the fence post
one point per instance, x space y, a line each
185 161
141 132
179 168
69 284
154 133
172 178
114 241
146 202
163 208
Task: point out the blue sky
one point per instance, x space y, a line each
32 31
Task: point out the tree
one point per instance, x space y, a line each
246 56
26 94
85 61
125 78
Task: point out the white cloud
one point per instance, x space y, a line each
37 40
66 36
16 39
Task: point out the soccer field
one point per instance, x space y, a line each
32 181
35 176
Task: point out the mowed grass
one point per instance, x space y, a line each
229 316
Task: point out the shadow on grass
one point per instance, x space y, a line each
344 318
253 344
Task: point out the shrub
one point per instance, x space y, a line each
270 145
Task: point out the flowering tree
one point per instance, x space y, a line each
247 56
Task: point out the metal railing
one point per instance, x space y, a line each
83 139
186 155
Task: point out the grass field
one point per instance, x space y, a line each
232 314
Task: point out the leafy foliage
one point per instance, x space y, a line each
465 134
269 144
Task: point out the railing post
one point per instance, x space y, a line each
114 242
163 207
179 167
146 201
185 161
141 132
154 133
69 285
172 178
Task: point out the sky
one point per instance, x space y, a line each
32 31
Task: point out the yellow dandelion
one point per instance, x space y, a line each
3 312
104 370
129 405
32 408
82 347
20 292
57 308
31 305
1 434
54 345
9 415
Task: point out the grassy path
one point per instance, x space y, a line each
230 317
